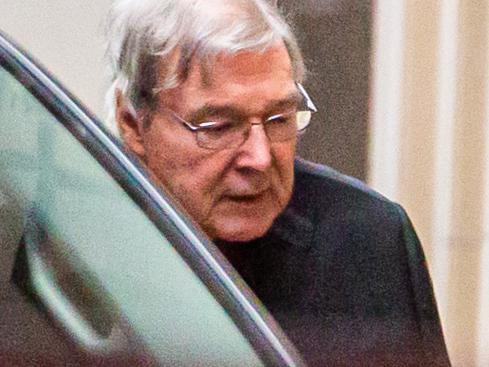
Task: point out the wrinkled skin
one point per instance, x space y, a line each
234 194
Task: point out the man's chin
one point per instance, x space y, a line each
243 221
240 232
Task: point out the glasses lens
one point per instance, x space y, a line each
281 127
229 135
303 119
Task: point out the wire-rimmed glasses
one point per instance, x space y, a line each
228 134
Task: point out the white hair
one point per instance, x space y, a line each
152 42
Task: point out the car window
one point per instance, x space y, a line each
92 258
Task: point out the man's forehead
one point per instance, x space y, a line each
247 64
255 61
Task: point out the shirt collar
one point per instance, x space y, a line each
294 227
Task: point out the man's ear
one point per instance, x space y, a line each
130 127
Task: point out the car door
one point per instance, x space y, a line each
97 265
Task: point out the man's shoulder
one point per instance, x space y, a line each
328 203
325 185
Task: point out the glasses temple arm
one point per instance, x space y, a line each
309 103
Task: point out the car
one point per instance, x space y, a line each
98 266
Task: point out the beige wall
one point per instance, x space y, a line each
67 37
430 150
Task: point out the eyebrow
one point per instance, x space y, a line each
229 110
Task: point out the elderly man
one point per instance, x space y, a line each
208 94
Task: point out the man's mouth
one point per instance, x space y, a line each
247 198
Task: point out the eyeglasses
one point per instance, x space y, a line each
229 133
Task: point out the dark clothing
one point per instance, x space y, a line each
343 273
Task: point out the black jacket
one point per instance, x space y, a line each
343 273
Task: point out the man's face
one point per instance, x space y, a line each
234 194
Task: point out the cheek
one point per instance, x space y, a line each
170 154
284 155
191 174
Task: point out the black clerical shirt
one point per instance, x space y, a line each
343 273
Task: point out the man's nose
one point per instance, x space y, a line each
256 152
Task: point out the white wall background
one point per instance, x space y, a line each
67 37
